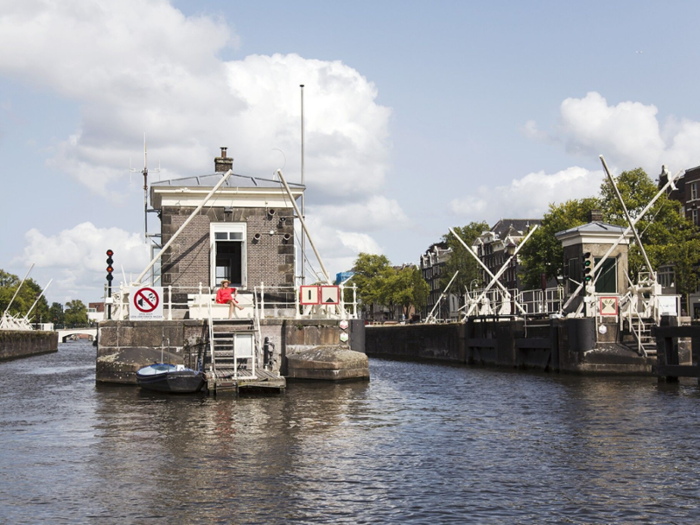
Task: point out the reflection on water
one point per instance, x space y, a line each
418 444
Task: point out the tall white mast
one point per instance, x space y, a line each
303 207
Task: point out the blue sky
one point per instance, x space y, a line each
420 115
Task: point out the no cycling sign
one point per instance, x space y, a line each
146 303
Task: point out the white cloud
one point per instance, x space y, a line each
141 65
138 66
76 258
339 248
528 197
628 134
377 213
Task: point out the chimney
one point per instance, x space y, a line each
595 216
223 163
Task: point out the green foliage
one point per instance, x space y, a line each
460 260
543 253
75 314
664 230
25 298
668 237
56 315
378 283
370 272
404 287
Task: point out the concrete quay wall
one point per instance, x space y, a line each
123 347
557 345
15 344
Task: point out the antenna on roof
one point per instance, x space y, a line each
144 171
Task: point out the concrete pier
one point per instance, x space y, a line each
126 346
15 344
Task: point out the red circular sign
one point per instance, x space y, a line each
146 300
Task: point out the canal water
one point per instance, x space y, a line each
420 443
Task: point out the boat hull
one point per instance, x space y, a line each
172 381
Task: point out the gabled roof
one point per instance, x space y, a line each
234 181
503 226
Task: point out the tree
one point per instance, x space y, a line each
543 253
25 298
370 272
663 227
460 260
667 235
76 313
56 315
405 287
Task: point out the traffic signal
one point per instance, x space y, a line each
588 265
110 268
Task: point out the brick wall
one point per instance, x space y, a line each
269 259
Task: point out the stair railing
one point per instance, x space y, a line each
210 322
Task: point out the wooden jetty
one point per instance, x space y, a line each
223 380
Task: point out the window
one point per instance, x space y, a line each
574 273
693 191
666 276
694 217
606 278
228 254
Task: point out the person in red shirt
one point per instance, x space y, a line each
227 295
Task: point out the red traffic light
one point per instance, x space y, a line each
110 269
110 253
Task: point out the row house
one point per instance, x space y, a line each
494 248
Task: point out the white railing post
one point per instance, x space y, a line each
199 300
354 301
343 313
170 302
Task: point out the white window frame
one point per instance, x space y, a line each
228 227
693 191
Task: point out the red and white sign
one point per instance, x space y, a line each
146 303
608 306
309 295
330 294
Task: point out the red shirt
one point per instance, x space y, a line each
224 295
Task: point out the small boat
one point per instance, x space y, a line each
174 379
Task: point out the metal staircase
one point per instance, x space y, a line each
645 344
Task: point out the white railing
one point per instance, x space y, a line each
265 302
545 301
283 302
200 296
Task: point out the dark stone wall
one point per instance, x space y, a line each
24 343
440 342
558 345
269 259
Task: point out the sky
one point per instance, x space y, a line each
418 115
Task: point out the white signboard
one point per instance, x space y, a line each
309 295
146 303
330 295
608 306
667 305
